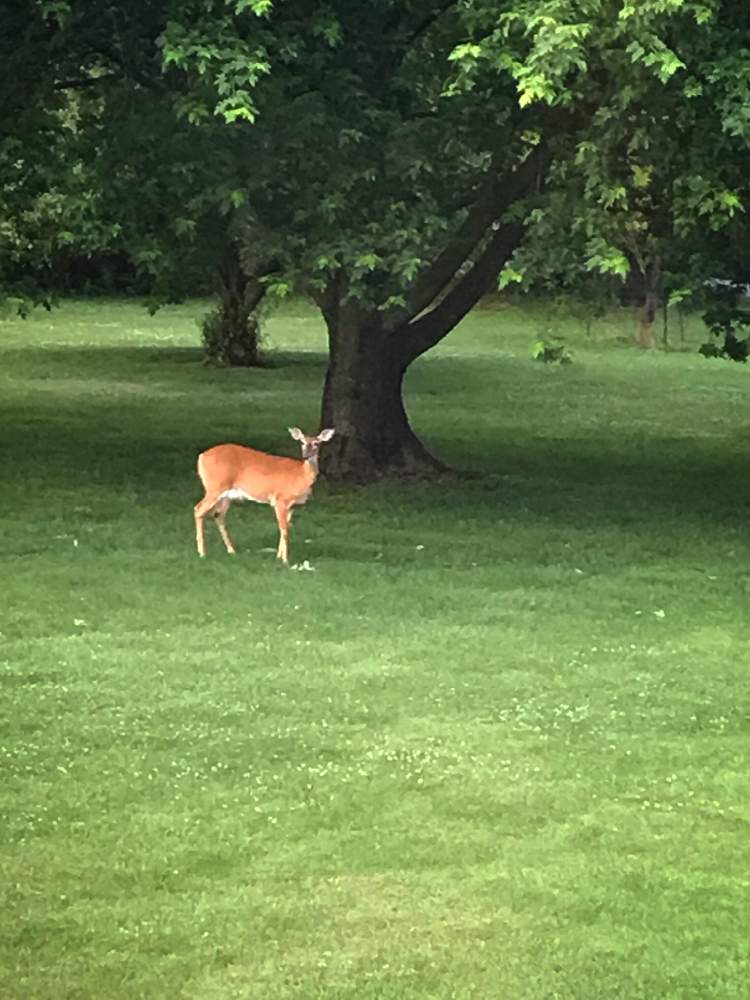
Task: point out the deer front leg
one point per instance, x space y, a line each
283 517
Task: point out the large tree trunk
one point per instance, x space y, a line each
363 402
371 349
369 355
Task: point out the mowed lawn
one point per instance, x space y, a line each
494 744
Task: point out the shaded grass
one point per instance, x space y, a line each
494 746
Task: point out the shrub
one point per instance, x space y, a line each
551 352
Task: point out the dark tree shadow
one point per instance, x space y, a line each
149 440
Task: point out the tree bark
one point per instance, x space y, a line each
650 306
370 350
363 402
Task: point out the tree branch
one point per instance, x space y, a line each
428 21
495 195
436 275
329 299
85 82
423 333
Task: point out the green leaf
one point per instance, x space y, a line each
678 295
510 275
259 7
367 261
642 175
468 50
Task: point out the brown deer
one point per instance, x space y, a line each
233 472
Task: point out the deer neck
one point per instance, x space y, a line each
311 468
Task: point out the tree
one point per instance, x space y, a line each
660 171
389 157
404 149
99 154
46 199
361 213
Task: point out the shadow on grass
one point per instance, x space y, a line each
147 440
118 363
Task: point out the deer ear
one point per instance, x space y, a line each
296 433
326 434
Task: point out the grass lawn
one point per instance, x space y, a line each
496 745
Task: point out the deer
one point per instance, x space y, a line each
234 472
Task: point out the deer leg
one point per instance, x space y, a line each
282 517
220 515
201 510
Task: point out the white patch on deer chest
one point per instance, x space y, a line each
237 494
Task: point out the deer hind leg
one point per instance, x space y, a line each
283 517
220 515
201 511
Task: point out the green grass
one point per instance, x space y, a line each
494 746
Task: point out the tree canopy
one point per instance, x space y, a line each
387 158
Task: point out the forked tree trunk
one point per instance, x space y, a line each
371 349
363 401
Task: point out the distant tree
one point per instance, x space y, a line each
99 154
658 187
47 201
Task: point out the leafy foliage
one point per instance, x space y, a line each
655 167
728 319
229 341
551 351
371 152
410 113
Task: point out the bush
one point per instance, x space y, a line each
728 319
552 352
710 350
229 338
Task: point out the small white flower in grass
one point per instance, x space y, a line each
79 621
75 543
660 613
419 547
304 566
577 570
